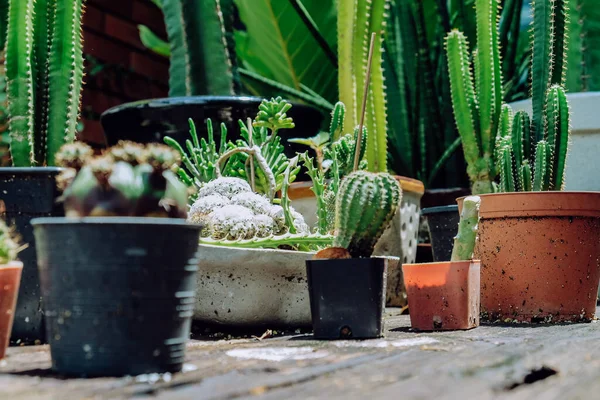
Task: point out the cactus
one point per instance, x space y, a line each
126 180
477 106
464 241
356 21
44 68
366 203
10 244
202 53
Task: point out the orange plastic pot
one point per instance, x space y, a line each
10 277
443 295
540 256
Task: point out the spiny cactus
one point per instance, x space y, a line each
109 185
10 244
44 69
366 203
477 100
356 22
464 241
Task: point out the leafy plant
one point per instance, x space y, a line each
44 70
10 244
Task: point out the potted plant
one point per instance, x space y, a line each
204 80
446 295
118 272
10 278
539 246
44 78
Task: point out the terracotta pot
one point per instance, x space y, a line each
10 277
540 256
443 295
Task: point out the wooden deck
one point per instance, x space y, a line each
490 362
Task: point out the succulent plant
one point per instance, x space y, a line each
44 70
366 203
464 241
125 180
10 244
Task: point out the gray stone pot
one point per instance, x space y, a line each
248 288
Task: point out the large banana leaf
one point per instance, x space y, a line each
279 46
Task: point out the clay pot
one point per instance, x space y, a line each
443 295
10 277
540 256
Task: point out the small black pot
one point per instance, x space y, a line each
347 297
119 293
29 193
151 120
443 225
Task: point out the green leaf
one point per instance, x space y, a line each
153 42
279 46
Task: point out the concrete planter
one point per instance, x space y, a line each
581 172
250 288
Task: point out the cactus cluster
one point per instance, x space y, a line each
464 241
528 155
44 70
10 244
128 179
365 205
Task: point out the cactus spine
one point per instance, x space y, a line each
464 241
477 107
356 20
365 205
44 68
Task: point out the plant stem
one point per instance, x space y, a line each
364 103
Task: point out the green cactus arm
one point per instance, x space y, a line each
285 199
489 82
464 241
505 122
208 66
557 121
318 188
338 115
65 72
507 179
178 82
526 177
541 170
464 102
559 44
345 34
273 242
19 80
576 77
521 138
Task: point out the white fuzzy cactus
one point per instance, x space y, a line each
231 211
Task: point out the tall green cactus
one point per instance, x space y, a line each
464 241
201 45
366 203
44 69
357 19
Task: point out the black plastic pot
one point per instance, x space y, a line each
347 297
151 120
28 193
443 225
119 293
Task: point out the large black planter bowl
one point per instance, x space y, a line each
443 225
151 120
29 193
119 293
347 297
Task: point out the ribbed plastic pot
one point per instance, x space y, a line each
442 223
347 297
540 256
119 293
443 295
28 193
10 276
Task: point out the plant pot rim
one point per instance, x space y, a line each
47 221
254 250
30 170
438 263
539 204
190 100
439 209
15 264
383 258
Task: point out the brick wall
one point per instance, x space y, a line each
119 68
